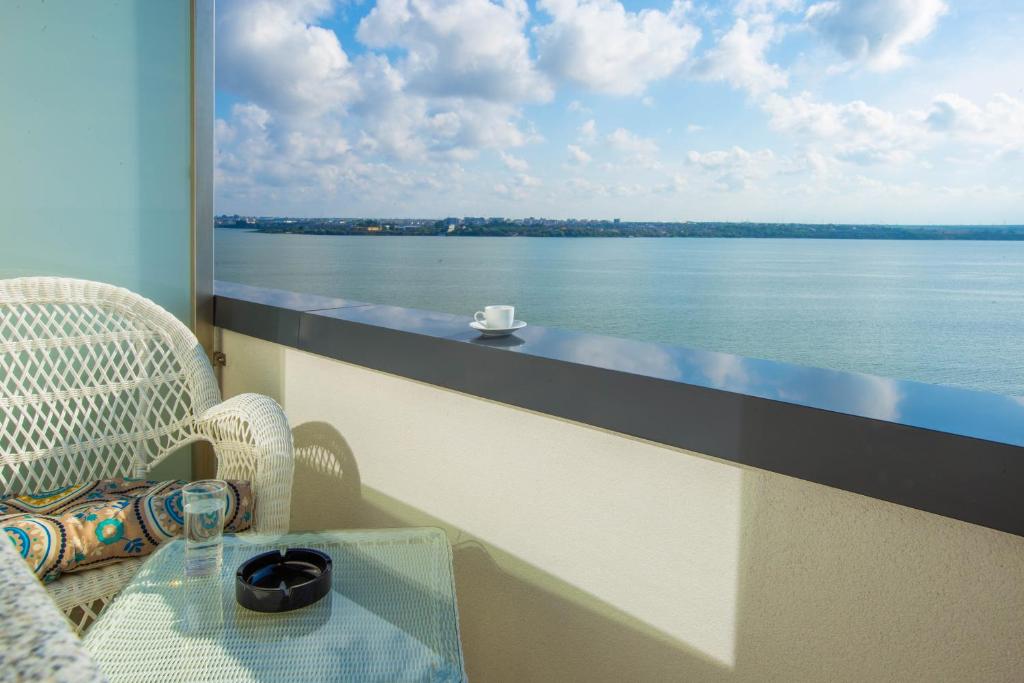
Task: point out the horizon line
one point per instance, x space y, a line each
623 221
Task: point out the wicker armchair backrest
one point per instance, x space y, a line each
95 381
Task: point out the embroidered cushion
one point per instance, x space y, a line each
89 525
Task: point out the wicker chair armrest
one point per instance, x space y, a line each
252 441
36 641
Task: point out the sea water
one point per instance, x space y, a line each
944 312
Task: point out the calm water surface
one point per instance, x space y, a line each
940 312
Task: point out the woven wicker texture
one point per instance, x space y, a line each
97 382
391 616
82 595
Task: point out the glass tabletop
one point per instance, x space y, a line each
391 616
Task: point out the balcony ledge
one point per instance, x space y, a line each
948 451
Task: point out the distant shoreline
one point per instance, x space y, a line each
480 227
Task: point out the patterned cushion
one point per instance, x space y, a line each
105 521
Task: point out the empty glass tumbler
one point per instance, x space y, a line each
205 503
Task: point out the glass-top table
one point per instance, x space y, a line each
391 616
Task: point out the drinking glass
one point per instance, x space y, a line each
204 502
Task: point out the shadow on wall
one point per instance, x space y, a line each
518 623
829 589
326 480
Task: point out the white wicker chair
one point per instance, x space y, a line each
97 382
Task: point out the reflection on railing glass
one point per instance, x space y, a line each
993 417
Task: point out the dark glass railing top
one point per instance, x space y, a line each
948 450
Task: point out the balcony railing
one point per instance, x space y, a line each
949 451
594 540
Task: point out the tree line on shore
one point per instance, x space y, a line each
579 228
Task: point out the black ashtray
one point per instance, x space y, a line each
280 581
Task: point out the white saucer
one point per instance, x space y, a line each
488 332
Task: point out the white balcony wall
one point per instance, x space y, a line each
95 144
584 555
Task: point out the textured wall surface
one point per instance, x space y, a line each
95 137
588 556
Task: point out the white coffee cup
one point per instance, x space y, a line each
496 317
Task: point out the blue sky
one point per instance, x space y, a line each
889 111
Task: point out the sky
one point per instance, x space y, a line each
847 111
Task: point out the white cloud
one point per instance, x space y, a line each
588 132
269 53
676 183
514 163
432 115
251 159
601 46
810 162
578 155
520 187
827 119
468 48
879 397
621 354
766 9
317 124
867 154
631 144
465 69
999 122
391 119
578 107
739 59
953 112
474 125
875 32
728 372
803 114
733 169
316 148
858 132
296 85
728 158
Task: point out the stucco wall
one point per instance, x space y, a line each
95 136
583 555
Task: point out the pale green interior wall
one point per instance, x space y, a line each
95 138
